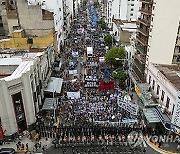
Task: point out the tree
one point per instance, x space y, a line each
108 40
96 4
114 53
102 24
119 74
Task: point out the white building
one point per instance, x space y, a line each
165 84
122 30
55 6
164 33
123 10
23 76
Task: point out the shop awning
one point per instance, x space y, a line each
54 85
50 104
151 115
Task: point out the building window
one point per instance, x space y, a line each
132 9
149 79
162 96
152 19
153 84
131 14
158 87
132 4
167 102
173 109
29 41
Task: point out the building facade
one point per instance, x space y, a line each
123 10
23 77
157 21
165 85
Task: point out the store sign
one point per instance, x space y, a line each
176 115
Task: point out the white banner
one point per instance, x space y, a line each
128 106
73 95
72 71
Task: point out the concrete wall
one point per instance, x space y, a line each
55 6
31 19
164 31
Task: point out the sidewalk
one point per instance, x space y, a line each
166 148
24 140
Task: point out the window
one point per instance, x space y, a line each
1 24
167 102
29 41
173 109
153 84
132 4
158 87
149 79
152 19
162 96
131 14
132 9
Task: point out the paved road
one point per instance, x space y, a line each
100 150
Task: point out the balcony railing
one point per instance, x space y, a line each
145 22
144 42
140 58
138 73
143 31
139 65
146 11
140 48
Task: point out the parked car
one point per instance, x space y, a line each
7 151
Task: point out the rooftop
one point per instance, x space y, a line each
125 25
14 63
171 72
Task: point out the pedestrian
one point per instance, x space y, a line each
27 147
36 146
17 145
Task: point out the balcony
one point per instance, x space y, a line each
140 58
146 11
139 65
141 48
138 73
147 1
144 41
143 31
144 22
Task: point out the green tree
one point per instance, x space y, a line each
114 53
96 4
108 40
120 75
102 24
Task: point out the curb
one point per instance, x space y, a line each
156 148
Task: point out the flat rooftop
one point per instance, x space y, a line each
14 63
171 72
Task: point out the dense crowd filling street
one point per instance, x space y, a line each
88 114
